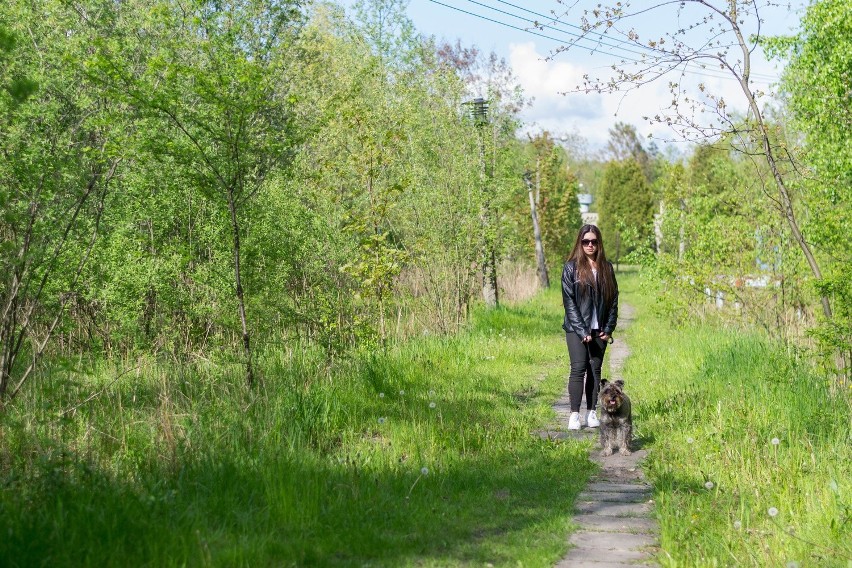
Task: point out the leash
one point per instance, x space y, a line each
596 379
592 367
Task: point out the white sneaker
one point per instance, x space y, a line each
574 421
592 420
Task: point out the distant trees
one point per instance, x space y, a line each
711 37
626 207
624 144
555 194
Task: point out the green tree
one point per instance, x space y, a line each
556 191
387 152
626 208
61 147
817 80
208 80
624 144
721 240
495 98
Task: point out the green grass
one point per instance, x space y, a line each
182 467
709 403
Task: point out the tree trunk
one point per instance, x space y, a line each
232 208
786 201
541 264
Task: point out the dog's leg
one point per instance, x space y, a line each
625 433
606 440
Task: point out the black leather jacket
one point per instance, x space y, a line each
578 306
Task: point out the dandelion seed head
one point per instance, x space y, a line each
773 512
431 393
709 485
401 393
424 471
690 440
775 441
382 419
792 564
432 405
738 525
381 395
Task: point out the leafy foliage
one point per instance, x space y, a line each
626 208
817 82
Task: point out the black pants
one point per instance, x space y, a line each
586 360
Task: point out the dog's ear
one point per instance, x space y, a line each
619 383
603 382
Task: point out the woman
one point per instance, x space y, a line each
590 298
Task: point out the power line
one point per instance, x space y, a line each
705 73
575 35
602 36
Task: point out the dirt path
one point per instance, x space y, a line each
615 512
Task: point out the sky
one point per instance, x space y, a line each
505 27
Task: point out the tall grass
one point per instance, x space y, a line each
750 447
420 455
423 454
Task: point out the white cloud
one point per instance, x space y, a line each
545 80
591 114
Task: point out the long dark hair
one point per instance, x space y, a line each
606 276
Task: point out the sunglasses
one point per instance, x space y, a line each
588 242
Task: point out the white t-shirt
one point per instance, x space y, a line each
595 324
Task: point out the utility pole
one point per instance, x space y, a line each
479 113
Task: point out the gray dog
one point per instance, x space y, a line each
616 418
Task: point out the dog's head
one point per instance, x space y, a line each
612 395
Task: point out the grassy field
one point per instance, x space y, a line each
751 454
423 455
419 456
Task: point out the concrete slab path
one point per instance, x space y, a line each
615 511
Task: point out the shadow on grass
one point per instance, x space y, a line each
291 510
269 484
302 472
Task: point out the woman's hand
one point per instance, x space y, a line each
604 336
587 339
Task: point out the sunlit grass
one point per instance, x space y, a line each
423 455
750 450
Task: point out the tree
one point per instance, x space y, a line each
556 189
60 143
626 207
387 152
816 81
723 241
208 78
624 144
496 99
711 38
541 262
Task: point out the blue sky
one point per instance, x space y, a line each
488 24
